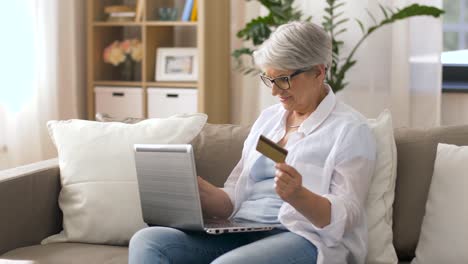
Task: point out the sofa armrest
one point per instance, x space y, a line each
29 208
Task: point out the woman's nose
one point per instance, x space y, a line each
275 90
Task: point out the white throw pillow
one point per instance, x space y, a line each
444 231
381 193
99 197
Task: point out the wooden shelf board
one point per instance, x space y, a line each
171 23
116 24
117 83
172 84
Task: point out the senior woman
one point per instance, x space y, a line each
317 196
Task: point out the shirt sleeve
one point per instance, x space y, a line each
230 184
354 166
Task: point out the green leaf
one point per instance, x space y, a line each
340 32
327 19
279 11
339 42
371 29
327 26
241 51
257 30
417 10
331 2
361 25
371 16
340 22
337 15
383 10
339 5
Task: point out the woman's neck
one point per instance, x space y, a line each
303 114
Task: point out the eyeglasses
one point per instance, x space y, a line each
282 82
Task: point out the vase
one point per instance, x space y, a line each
126 70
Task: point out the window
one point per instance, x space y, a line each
17 60
455 56
455 25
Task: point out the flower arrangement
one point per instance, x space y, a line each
119 51
127 53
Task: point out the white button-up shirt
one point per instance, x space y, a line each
334 151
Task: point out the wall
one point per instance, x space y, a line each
454 109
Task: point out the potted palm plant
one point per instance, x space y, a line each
282 11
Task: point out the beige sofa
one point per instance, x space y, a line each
30 212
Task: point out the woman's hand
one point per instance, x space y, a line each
203 186
215 202
288 185
288 182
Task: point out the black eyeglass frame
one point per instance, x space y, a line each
269 82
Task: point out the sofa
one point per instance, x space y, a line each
30 212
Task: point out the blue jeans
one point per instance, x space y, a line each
168 245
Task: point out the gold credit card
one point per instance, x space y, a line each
271 150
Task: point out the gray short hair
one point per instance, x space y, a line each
295 46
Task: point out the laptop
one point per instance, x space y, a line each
168 187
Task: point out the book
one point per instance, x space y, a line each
122 14
121 17
194 14
118 8
186 15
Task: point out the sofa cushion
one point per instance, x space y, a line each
99 196
217 150
444 231
382 192
70 253
416 150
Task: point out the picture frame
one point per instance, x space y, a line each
176 64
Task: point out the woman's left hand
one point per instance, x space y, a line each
288 182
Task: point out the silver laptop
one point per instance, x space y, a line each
168 186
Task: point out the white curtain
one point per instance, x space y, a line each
58 90
398 66
245 92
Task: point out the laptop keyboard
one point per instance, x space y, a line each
230 224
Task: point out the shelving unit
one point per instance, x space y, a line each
209 34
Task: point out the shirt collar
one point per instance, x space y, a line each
323 110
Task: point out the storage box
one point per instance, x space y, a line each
119 102
165 102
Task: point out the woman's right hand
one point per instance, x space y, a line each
215 202
203 186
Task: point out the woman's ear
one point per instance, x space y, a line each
321 71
